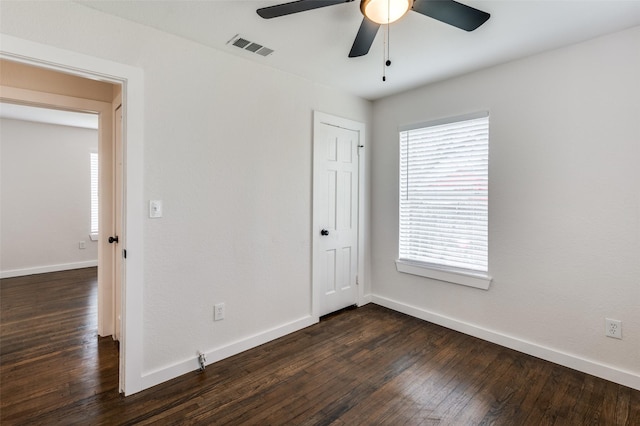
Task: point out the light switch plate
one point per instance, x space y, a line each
155 208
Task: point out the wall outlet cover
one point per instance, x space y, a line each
218 312
613 328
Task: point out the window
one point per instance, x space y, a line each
444 200
93 157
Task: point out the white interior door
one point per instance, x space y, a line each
335 207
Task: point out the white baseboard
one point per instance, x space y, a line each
575 362
48 268
217 354
365 299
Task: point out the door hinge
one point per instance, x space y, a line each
357 280
124 253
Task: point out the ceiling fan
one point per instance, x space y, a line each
379 12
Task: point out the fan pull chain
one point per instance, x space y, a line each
384 52
385 45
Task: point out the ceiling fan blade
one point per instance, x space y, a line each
364 38
295 7
451 12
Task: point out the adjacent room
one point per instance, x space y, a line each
311 214
49 191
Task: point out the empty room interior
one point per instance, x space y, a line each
454 238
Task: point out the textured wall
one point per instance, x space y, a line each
227 148
564 201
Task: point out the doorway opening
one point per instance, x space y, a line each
131 373
38 89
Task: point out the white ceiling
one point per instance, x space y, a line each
315 44
49 116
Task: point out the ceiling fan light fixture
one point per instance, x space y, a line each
385 11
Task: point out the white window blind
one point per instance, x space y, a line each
94 192
444 194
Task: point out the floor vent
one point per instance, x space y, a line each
250 46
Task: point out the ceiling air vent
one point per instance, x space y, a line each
253 47
265 51
250 46
241 43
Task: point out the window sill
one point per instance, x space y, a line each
468 278
93 237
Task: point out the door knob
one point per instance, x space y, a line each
113 239
324 232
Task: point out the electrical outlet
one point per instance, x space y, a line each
613 328
82 245
218 311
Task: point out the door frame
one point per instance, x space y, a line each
131 80
320 118
118 205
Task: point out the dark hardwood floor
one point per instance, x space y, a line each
366 366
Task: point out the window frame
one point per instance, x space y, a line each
452 274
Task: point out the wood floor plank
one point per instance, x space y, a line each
366 366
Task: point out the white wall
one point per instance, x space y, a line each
228 149
564 237
45 187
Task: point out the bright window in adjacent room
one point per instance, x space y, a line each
444 177
94 194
